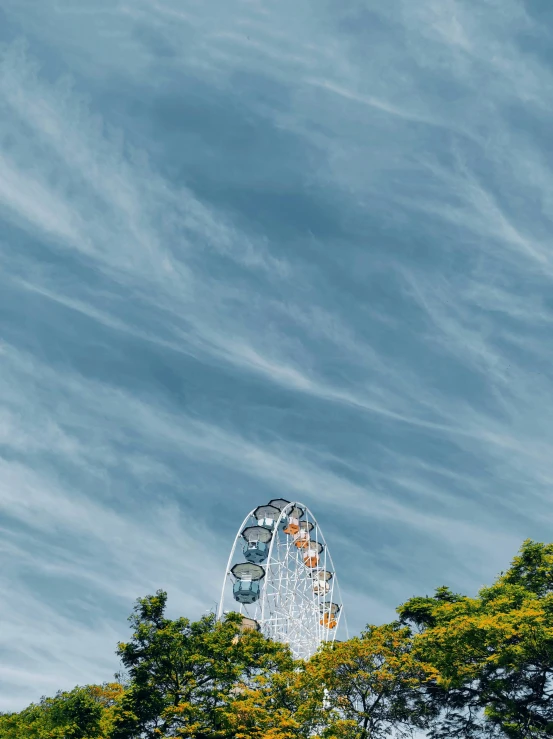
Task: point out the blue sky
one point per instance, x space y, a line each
252 250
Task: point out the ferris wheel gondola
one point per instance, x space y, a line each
256 547
246 586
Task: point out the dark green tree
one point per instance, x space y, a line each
183 675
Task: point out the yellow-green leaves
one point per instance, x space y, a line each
492 655
365 687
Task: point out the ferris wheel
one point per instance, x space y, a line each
281 573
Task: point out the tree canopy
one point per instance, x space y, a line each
183 675
451 665
489 659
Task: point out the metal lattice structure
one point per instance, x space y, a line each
281 573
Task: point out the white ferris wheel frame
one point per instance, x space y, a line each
289 608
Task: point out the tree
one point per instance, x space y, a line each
82 713
365 688
489 659
183 675
455 666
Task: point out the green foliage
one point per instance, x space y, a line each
82 713
274 707
183 674
453 666
489 659
366 687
